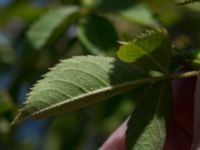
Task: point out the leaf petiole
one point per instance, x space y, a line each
174 76
184 75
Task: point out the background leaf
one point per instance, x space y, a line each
79 82
152 50
46 29
114 5
147 129
97 33
139 13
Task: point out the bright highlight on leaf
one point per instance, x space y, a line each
51 25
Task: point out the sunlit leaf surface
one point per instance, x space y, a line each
79 82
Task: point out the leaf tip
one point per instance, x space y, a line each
18 118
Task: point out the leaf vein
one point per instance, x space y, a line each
153 59
88 73
72 83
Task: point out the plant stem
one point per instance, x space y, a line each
173 76
186 2
184 75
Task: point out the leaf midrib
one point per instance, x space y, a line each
157 109
153 59
128 85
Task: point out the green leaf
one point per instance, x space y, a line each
115 5
140 14
147 126
51 25
151 50
79 82
97 33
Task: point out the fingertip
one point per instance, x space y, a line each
117 140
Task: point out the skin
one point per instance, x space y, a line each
180 132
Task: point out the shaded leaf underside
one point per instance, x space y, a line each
147 129
148 123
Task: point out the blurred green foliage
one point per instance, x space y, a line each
101 24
